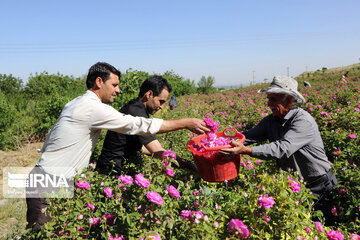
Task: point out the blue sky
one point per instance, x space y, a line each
231 40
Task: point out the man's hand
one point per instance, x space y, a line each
195 125
238 148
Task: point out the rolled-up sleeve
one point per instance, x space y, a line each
106 117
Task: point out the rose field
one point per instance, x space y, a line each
156 200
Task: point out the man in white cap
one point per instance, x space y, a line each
294 141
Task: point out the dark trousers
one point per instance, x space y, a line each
35 215
36 201
323 192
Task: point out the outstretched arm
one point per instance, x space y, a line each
238 148
193 124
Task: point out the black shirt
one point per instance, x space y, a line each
122 148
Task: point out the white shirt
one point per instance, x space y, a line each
73 138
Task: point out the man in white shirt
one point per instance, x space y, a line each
73 137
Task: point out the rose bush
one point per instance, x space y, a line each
263 202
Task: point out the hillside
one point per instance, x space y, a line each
330 74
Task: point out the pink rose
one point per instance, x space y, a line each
319 227
84 185
266 218
334 235
125 179
294 185
154 197
265 201
116 237
152 235
108 192
80 216
109 218
94 221
236 226
169 172
197 214
354 237
90 206
211 125
169 154
352 136
342 190
173 192
141 181
185 214
334 211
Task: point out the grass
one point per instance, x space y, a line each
13 211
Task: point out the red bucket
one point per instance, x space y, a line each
211 166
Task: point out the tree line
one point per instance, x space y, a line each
29 110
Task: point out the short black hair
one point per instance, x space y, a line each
100 69
156 84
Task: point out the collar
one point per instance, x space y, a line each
92 95
288 116
137 101
291 113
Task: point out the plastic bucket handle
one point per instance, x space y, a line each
229 132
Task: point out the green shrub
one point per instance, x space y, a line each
129 85
9 84
44 84
206 85
7 113
179 85
48 111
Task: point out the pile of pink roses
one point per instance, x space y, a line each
211 140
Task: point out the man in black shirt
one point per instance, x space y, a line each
119 149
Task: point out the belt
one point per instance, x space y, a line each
322 178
